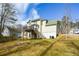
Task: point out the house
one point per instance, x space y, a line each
74 28
10 31
6 32
41 28
74 31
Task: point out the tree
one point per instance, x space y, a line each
77 25
7 14
65 25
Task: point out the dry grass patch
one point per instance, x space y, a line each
24 47
34 50
63 48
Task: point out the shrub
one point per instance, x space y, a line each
7 38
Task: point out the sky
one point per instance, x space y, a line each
49 11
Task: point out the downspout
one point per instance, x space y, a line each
41 27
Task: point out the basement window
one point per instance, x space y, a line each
51 37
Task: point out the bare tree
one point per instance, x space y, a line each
7 14
77 23
65 25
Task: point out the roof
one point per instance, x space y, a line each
48 22
51 22
36 20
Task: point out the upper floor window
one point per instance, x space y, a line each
35 26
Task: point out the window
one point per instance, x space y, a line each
35 26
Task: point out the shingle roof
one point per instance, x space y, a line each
48 22
51 22
36 20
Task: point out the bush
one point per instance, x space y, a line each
7 38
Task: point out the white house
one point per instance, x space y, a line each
9 31
6 32
40 28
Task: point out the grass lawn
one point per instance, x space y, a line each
67 46
24 47
61 46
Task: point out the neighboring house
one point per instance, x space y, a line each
40 28
74 31
6 32
74 28
9 31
